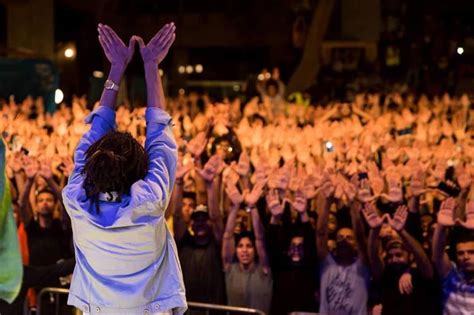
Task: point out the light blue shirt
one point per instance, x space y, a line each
126 258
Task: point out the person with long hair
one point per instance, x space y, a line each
247 269
117 195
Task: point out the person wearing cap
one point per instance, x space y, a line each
200 250
405 272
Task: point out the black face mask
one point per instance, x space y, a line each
344 248
396 270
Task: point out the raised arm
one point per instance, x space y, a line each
422 261
375 223
445 219
359 230
228 245
176 205
214 212
160 144
119 56
209 174
103 117
251 200
322 228
31 169
153 54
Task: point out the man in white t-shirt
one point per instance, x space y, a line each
344 273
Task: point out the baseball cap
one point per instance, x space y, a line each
200 210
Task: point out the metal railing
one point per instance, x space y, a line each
224 308
56 292
204 307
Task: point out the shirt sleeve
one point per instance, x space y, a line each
160 147
102 121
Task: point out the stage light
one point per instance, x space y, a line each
261 77
460 50
181 91
181 69
69 53
236 88
160 72
98 74
189 69
198 68
268 75
58 96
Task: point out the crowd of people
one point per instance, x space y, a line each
360 207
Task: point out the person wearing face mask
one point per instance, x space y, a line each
344 272
294 266
405 273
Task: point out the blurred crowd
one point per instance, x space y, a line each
360 207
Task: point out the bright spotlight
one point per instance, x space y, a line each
69 53
98 74
261 77
58 96
189 69
160 72
460 50
181 91
198 68
181 69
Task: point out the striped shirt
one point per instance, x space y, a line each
458 294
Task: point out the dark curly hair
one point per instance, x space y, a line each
113 163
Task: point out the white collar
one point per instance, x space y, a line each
111 196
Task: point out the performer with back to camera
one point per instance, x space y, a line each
116 197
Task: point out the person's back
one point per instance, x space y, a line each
117 195
133 256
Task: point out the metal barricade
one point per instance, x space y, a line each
222 308
206 308
56 292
